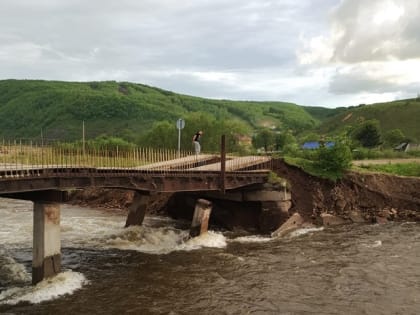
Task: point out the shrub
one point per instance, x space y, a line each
325 162
367 134
334 160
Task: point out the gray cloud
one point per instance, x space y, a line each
212 34
240 49
371 50
356 82
376 30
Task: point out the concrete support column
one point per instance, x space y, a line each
46 260
137 210
200 222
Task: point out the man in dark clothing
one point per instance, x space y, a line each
196 142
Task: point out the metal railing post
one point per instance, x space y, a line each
222 164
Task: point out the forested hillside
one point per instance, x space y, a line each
145 115
127 110
402 114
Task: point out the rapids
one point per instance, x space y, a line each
156 269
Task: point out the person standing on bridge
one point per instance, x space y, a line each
196 142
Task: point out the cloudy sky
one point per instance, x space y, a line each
311 52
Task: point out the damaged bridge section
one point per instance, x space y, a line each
217 177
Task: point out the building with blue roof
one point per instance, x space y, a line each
312 145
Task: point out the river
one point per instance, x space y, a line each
155 269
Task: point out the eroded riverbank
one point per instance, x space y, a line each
358 197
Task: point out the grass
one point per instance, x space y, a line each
312 168
402 169
373 154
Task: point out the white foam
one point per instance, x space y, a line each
161 240
303 231
84 228
145 239
375 244
11 271
252 239
64 283
209 239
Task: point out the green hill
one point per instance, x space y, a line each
402 114
57 109
323 113
29 108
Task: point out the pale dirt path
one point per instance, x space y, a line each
385 161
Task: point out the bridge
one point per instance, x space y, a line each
44 175
189 173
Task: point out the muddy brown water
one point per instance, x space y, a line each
354 269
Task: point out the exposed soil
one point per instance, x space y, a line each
116 199
373 194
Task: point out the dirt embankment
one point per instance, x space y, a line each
116 199
371 194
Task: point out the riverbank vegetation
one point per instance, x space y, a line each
325 162
402 169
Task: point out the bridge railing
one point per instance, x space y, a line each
23 158
19 155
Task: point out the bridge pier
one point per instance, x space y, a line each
200 221
261 209
46 260
137 210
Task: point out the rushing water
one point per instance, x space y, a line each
155 269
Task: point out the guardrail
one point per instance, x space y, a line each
19 154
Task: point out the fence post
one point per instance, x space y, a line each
222 164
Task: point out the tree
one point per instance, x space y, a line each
335 159
108 143
162 135
206 122
394 137
282 139
309 136
264 138
368 134
234 130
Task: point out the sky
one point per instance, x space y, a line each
327 53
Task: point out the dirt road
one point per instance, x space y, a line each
385 161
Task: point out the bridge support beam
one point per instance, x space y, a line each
200 222
137 210
46 260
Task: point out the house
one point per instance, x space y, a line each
401 147
405 147
312 145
